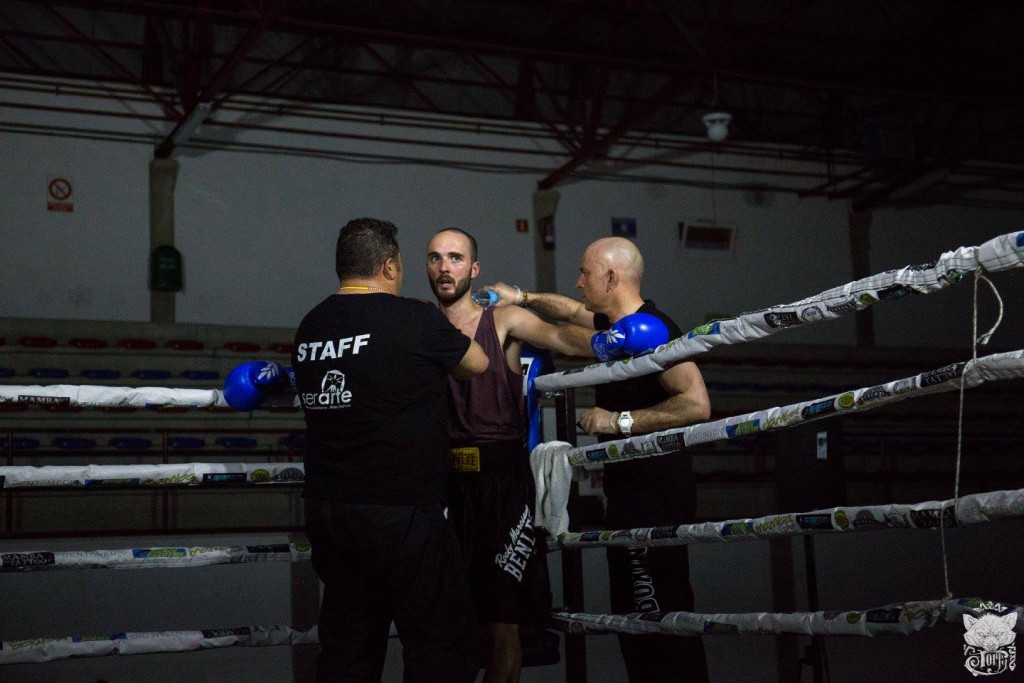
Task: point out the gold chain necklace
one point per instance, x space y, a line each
376 289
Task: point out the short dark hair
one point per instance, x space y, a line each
364 245
472 241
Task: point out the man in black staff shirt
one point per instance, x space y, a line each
370 371
645 492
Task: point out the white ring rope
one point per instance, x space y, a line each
51 649
187 474
87 396
984 339
1002 253
152 558
998 366
898 619
972 509
975 341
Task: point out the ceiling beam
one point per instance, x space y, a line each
714 57
19 53
400 77
201 105
85 40
523 89
188 11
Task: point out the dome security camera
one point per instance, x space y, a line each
718 125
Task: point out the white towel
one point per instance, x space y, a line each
553 476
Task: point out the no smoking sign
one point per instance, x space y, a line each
59 193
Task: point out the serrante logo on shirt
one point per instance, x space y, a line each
332 393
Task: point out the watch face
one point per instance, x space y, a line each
625 423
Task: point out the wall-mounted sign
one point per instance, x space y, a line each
624 227
547 228
59 192
165 269
707 237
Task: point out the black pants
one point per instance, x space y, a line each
643 493
384 563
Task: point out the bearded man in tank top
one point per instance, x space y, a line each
491 494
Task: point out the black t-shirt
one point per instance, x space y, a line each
633 394
638 392
370 371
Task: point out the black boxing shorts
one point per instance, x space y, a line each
491 499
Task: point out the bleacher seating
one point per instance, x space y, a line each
186 443
152 374
100 373
130 443
88 343
73 443
48 373
140 354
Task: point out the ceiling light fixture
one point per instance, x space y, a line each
717 123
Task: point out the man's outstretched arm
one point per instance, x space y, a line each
546 303
572 340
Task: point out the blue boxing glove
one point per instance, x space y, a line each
632 335
248 384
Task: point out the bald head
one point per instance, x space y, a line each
610 274
621 255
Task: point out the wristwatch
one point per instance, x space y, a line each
625 422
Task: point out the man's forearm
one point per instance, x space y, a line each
674 412
575 340
556 306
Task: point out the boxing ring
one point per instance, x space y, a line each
554 464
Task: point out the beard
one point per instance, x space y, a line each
461 287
